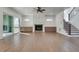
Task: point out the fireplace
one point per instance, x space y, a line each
38 27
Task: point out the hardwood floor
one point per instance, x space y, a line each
39 42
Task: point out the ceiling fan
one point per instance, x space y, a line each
39 9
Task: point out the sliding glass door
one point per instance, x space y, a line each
7 24
11 25
16 25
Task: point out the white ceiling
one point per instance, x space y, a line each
31 10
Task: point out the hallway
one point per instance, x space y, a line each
39 42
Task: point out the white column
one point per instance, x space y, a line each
33 28
43 28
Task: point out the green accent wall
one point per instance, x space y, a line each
7 23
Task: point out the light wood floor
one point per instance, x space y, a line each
39 42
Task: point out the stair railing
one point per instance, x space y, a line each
69 17
74 12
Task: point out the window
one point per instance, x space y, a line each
27 20
48 19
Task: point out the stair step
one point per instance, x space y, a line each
74 33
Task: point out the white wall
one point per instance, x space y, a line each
75 21
38 19
11 12
60 24
8 11
25 23
50 23
1 24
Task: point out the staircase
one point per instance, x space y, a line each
72 26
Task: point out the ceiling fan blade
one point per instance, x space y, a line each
43 10
39 8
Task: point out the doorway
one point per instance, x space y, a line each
7 25
11 25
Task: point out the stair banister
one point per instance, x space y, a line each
69 32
